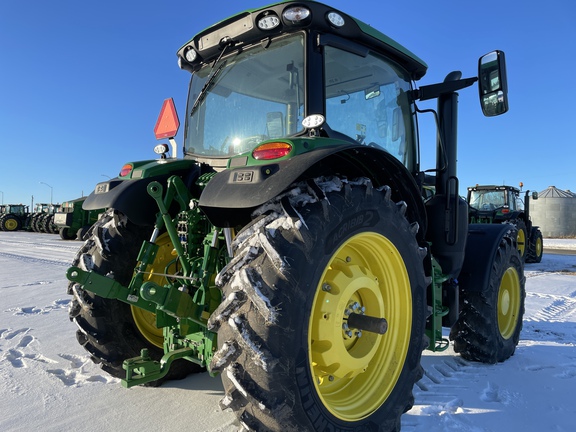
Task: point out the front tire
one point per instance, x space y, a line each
488 327
521 238
289 359
536 249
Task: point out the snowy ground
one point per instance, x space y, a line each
47 381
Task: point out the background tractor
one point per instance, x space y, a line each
503 204
42 219
297 249
72 221
15 217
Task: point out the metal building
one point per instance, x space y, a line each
555 213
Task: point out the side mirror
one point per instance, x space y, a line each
534 195
493 84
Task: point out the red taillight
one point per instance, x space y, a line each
273 150
126 169
505 210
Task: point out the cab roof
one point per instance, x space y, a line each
243 29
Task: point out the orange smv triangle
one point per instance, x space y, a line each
167 124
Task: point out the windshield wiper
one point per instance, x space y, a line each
212 78
207 85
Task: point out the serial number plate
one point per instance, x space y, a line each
243 177
101 188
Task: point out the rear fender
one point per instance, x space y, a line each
131 197
481 247
230 197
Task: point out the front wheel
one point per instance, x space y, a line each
521 238
490 320
536 249
296 350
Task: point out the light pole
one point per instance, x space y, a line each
2 197
51 190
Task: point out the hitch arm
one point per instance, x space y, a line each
107 288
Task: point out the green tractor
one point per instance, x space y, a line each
15 217
72 221
42 219
291 251
502 204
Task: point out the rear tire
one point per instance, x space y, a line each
490 320
65 234
81 233
287 361
110 330
11 223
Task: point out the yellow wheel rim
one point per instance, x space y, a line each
11 224
145 320
538 247
355 373
521 241
508 303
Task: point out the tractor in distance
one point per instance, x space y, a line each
291 250
42 219
72 221
15 217
503 204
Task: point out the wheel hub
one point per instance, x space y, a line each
341 350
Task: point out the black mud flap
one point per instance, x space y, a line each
481 247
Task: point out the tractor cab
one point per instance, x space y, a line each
298 74
490 204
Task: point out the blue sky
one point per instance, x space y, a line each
82 83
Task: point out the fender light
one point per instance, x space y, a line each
126 170
272 150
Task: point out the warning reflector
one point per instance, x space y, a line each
167 124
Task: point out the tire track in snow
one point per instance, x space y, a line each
559 308
35 260
38 249
438 393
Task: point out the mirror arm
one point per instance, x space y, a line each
435 90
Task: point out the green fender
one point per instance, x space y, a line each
231 195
